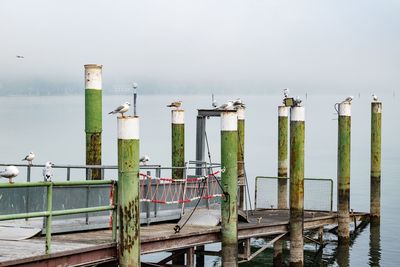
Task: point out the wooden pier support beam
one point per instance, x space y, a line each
343 171
229 213
93 118
128 191
375 199
297 128
240 156
283 113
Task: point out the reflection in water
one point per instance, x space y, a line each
375 242
343 254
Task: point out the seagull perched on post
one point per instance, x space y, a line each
348 99
121 109
9 172
238 103
144 159
286 92
374 97
228 105
175 104
48 171
29 158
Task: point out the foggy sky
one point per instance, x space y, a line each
249 44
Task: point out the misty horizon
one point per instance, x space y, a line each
201 47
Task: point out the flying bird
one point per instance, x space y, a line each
144 159
9 172
29 158
374 97
228 105
286 92
121 109
19 56
48 171
175 104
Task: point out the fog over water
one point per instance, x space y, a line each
202 46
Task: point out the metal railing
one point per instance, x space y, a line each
85 195
49 212
307 192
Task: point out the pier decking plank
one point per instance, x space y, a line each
161 237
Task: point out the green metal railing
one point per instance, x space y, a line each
49 213
330 181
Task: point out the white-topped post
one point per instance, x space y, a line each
229 182
297 125
128 191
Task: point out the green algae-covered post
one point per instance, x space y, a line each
283 113
229 213
178 155
93 117
241 167
297 121
128 191
343 171
178 142
376 120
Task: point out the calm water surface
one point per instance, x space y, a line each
53 127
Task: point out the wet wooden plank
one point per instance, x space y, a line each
162 237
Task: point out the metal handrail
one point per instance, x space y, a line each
89 168
288 178
49 199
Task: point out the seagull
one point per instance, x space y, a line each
175 104
144 159
9 172
29 158
348 99
374 97
297 100
121 109
286 92
214 102
48 171
19 56
228 105
238 103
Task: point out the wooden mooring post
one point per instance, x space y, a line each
229 235
93 118
178 157
240 156
375 199
297 129
178 142
283 114
128 191
343 171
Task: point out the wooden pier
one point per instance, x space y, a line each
92 248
